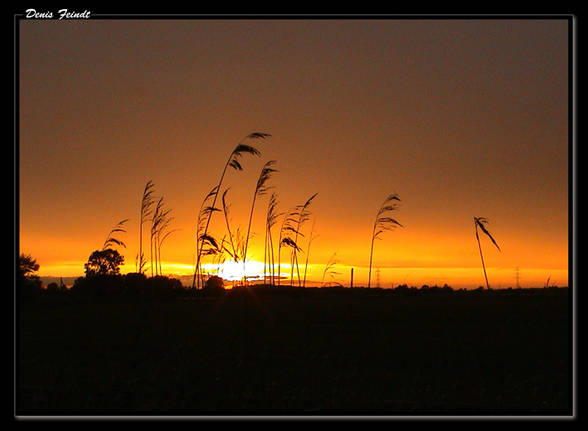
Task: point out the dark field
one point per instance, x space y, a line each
330 352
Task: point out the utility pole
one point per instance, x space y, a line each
351 284
378 277
517 273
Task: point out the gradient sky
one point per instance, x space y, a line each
461 118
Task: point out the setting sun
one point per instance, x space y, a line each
233 271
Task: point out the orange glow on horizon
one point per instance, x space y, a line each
456 277
403 256
408 255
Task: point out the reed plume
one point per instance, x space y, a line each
383 223
111 240
330 268
210 246
480 222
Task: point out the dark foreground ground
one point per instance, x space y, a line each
325 353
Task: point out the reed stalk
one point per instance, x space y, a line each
260 190
146 205
203 215
286 228
159 222
302 215
481 222
235 256
270 220
383 223
310 239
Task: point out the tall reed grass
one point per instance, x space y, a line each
111 240
270 220
383 223
302 215
234 162
147 201
480 222
261 189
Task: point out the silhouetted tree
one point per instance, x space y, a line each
99 285
447 288
162 288
213 286
135 283
27 266
29 283
103 262
53 287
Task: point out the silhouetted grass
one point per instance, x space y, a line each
270 220
260 189
146 210
111 240
383 223
302 215
481 222
267 350
233 162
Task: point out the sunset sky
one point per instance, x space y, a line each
461 118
